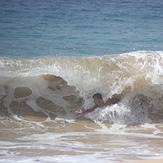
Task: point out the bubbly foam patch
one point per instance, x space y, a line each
112 144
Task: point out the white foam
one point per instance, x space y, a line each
106 145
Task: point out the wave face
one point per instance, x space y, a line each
52 87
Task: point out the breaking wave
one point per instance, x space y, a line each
53 87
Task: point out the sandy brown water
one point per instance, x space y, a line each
37 141
39 97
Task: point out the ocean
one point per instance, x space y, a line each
55 55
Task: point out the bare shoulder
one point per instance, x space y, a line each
113 100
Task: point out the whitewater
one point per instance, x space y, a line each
39 96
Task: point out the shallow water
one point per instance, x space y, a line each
39 96
38 123
83 140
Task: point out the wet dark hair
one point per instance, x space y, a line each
98 95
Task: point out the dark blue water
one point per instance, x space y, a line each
87 27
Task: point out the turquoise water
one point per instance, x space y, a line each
64 27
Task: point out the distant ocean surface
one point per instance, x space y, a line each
55 55
87 27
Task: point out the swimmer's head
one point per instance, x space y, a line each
97 95
97 99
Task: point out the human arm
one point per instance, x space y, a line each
82 111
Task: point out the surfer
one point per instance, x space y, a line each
98 100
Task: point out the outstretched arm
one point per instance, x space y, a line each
90 110
82 111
